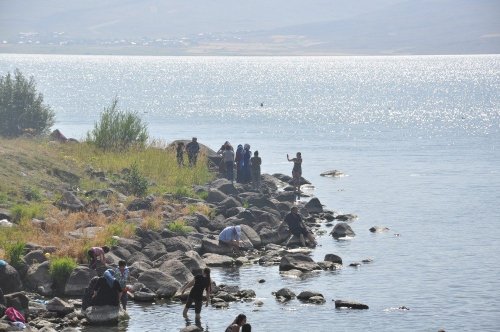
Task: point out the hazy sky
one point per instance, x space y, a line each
253 26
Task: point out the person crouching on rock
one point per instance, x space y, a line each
121 274
231 237
298 228
200 283
97 253
107 290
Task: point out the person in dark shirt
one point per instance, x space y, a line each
200 283
107 290
192 149
298 228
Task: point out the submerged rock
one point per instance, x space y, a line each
342 230
349 304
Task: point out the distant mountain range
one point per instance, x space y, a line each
251 27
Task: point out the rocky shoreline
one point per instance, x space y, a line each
161 262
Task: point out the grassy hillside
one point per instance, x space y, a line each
34 173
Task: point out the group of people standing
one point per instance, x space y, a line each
247 167
192 149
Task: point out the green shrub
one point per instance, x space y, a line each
179 227
118 130
32 194
203 195
22 212
14 252
137 183
184 192
21 107
60 270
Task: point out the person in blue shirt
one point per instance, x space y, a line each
121 275
231 237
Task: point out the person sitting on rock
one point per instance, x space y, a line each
97 253
298 228
231 237
107 290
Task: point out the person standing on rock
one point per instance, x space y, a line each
255 163
231 237
193 148
95 254
296 172
200 283
245 170
298 228
238 160
228 157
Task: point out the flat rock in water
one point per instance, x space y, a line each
333 173
350 304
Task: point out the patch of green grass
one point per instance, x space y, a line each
32 193
179 227
14 252
60 269
21 212
4 198
202 195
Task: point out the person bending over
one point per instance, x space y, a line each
298 228
231 236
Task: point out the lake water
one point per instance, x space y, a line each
417 136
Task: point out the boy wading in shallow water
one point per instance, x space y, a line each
200 283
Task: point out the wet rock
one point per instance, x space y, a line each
99 315
329 265
333 258
342 230
332 173
349 304
367 261
285 293
314 206
311 297
355 264
217 260
59 306
18 300
378 229
191 328
346 217
141 296
294 273
300 262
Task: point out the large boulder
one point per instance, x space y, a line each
70 202
342 230
176 269
39 278
155 249
251 235
162 284
311 297
177 243
35 257
276 235
333 258
285 293
78 281
298 262
18 300
209 245
225 186
215 196
10 280
314 206
228 203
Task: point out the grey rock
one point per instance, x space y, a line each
140 204
59 306
215 196
332 173
350 304
299 262
285 293
314 206
35 257
333 258
342 230
39 279
106 314
78 280
228 203
70 202
162 284
177 270
217 260
378 229
306 295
